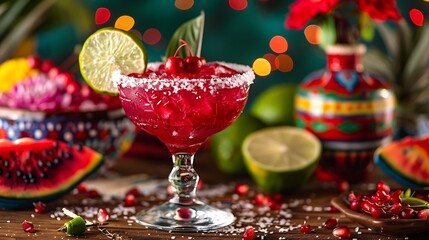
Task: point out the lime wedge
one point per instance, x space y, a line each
281 158
107 50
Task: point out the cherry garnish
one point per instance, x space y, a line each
174 65
193 64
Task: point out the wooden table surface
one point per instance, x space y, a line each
309 205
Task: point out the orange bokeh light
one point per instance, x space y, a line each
184 4
278 44
284 63
271 58
124 22
151 36
313 33
238 4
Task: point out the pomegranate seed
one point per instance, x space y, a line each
93 193
378 212
274 205
332 209
394 210
242 189
341 232
305 229
130 200
352 196
39 207
28 227
133 191
394 196
249 234
200 184
343 186
407 213
366 206
355 205
184 213
383 186
81 188
102 216
423 214
331 223
260 200
383 196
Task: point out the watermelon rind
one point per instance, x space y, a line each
395 175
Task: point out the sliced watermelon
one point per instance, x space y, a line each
42 170
406 161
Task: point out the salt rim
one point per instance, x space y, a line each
245 77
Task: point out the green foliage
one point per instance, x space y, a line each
405 64
192 32
21 18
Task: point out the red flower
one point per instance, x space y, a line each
380 10
302 11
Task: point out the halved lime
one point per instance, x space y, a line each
281 158
107 50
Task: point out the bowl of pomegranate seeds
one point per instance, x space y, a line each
395 212
39 100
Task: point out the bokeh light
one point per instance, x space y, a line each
261 67
284 63
271 58
125 22
417 17
313 33
137 33
278 44
151 36
102 15
184 4
238 4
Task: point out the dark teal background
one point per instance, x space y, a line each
229 35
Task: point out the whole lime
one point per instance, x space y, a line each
275 106
226 145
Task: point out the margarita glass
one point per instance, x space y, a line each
183 111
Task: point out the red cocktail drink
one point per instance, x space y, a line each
183 110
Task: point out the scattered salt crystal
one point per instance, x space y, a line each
173 237
58 219
32 215
8 221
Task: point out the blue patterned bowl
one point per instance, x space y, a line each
109 132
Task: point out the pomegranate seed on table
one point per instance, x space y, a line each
130 200
39 207
28 227
331 223
81 188
249 234
342 232
102 215
242 189
260 200
134 191
305 229
93 193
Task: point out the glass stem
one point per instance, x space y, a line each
184 179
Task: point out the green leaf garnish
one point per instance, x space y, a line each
415 202
192 32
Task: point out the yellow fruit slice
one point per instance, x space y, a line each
281 158
107 50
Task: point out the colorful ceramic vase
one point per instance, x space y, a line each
351 112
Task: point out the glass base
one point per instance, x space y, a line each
184 218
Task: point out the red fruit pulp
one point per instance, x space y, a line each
331 223
184 110
28 227
342 232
